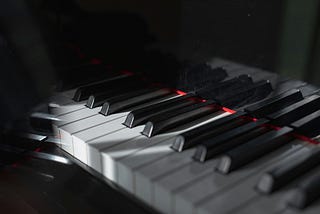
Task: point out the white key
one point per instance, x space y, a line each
163 187
80 139
115 139
252 202
126 166
79 126
201 195
59 112
69 118
173 193
80 120
109 156
66 131
313 209
77 115
85 112
67 108
145 175
155 148
277 201
63 103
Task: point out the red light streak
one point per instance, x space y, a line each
304 138
181 92
271 126
228 110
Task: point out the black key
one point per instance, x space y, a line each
296 111
207 149
121 97
116 105
196 104
226 88
140 116
308 125
299 163
192 77
307 192
308 90
99 98
233 83
83 93
105 109
248 94
281 87
274 104
253 150
287 85
195 136
239 89
233 143
175 118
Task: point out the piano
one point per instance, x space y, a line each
239 147
225 138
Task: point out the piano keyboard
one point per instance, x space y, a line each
249 149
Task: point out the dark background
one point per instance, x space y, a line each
41 39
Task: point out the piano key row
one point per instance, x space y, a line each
172 182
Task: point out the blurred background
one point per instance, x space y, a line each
42 40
